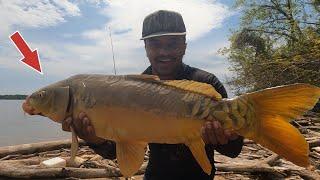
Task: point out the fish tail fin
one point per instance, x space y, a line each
269 113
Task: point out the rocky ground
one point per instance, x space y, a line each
254 162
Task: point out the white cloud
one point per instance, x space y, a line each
125 17
200 17
70 8
34 14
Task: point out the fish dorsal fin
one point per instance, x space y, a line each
143 77
130 157
187 85
195 87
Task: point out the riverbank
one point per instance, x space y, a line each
13 97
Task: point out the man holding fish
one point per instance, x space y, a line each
164 35
171 114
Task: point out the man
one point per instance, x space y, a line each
164 35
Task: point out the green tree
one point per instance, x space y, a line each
278 43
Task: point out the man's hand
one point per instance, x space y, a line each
83 127
212 133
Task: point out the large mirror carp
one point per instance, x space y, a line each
134 110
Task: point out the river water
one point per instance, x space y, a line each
17 128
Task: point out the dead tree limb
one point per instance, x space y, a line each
13 169
35 147
314 143
262 168
280 172
30 173
271 160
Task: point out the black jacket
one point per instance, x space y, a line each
175 161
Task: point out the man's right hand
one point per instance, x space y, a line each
83 127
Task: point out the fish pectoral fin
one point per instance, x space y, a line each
197 147
130 156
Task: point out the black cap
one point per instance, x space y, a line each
163 23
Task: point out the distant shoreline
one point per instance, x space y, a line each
13 97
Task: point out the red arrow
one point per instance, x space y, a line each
31 58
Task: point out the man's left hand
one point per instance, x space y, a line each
213 133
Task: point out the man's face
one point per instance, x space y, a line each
165 54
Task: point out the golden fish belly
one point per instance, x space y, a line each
140 110
123 124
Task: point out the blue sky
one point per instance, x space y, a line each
71 37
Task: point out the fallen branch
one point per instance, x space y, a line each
9 157
23 172
280 172
35 147
22 162
262 168
317 128
314 143
13 169
271 160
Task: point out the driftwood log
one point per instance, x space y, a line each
314 143
279 172
30 173
14 169
29 169
35 147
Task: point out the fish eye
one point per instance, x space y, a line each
41 94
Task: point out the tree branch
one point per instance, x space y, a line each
269 32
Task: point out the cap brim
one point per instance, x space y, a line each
163 34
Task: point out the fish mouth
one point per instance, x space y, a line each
27 108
